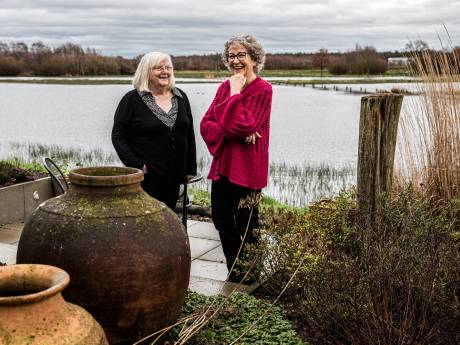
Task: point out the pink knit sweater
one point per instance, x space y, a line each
227 122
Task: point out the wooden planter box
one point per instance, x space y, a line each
18 201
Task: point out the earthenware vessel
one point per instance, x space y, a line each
127 253
33 312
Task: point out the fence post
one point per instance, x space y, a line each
378 127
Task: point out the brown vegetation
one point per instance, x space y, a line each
67 59
360 283
395 280
429 139
361 60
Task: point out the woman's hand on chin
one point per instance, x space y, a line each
237 81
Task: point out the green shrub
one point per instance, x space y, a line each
12 172
395 281
268 203
238 313
203 198
200 197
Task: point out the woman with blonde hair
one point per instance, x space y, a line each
236 130
153 129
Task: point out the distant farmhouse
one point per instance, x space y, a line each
395 62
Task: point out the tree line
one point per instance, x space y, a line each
69 59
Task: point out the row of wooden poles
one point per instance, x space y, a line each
347 88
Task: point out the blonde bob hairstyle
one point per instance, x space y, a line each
149 61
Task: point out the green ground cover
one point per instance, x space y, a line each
14 171
256 321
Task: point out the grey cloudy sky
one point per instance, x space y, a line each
133 27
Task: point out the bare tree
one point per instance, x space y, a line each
321 60
417 45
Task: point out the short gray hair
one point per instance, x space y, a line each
149 61
254 48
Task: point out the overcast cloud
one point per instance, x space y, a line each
133 27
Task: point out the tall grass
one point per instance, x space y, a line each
429 137
300 184
292 184
297 184
69 157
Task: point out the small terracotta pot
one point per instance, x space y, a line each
32 310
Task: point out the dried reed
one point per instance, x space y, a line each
429 134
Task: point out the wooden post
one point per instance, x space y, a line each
378 127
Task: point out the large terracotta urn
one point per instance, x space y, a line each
127 253
33 312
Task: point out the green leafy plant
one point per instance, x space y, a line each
394 281
13 171
203 198
239 313
200 197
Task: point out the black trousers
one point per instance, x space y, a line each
162 189
230 221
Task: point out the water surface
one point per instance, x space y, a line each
313 139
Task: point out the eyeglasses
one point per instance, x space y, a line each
240 56
161 68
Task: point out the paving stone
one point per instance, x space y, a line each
18 226
200 246
217 255
209 269
191 222
9 236
204 230
211 287
8 253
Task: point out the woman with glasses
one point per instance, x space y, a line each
153 129
236 130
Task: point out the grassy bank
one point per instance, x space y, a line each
89 81
293 81
310 73
207 75
340 81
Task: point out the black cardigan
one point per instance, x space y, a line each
139 138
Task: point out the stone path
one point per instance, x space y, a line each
208 271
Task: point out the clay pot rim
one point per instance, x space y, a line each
105 176
58 280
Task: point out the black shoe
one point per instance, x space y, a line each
235 277
238 278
